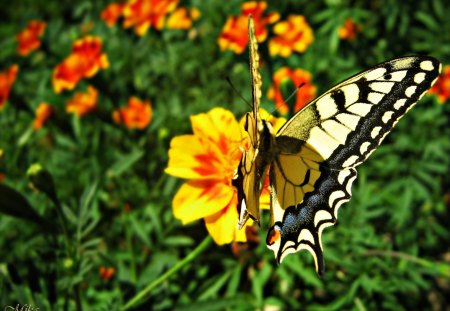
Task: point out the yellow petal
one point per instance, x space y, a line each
189 158
222 226
199 199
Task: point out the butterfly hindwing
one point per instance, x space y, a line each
318 148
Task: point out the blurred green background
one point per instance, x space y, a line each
388 251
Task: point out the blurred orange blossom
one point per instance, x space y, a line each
28 39
442 86
137 114
349 30
293 34
298 77
43 113
234 34
85 61
7 79
82 103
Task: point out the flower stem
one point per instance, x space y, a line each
143 293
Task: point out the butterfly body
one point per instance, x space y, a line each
311 160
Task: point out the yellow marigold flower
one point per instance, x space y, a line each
442 86
294 34
298 77
28 39
85 61
143 14
7 79
349 29
209 158
43 113
112 13
137 114
82 103
234 34
182 18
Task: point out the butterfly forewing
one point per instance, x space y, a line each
317 149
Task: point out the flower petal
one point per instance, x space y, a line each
199 199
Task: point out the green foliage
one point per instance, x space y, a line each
389 250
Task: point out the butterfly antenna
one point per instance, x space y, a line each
294 92
236 91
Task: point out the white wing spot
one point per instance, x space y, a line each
387 116
336 130
400 103
326 107
321 215
375 132
335 196
419 77
305 234
410 91
426 65
343 175
319 232
360 109
351 92
382 87
375 98
348 120
349 185
322 142
365 145
397 76
350 161
375 74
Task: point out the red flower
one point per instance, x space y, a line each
349 30
43 113
137 114
143 14
106 273
83 103
442 86
112 13
234 34
182 18
28 39
298 77
85 61
294 34
7 79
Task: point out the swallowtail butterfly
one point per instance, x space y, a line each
313 157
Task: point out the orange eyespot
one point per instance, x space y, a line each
273 236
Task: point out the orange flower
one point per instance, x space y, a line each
294 34
28 39
7 79
349 30
181 18
82 103
143 14
234 34
43 113
298 77
137 114
85 61
112 13
442 86
106 273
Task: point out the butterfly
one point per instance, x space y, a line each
312 159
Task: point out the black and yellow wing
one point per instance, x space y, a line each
317 150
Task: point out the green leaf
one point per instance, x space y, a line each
125 162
